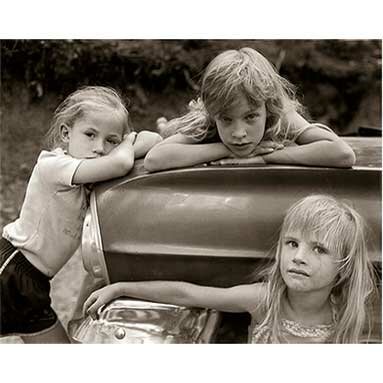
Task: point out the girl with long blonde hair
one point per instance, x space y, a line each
318 289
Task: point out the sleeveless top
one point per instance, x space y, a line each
294 332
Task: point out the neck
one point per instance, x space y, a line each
308 308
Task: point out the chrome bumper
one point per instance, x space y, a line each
134 321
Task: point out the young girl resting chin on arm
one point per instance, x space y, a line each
91 140
247 114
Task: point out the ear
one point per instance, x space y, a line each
64 132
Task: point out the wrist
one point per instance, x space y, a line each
226 152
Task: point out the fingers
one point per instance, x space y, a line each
259 151
89 301
131 137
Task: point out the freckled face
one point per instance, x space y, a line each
242 127
307 265
95 134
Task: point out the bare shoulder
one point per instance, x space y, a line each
294 119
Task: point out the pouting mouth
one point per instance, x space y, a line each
241 143
298 272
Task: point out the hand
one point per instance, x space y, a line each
266 147
148 138
127 143
144 142
98 299
240 161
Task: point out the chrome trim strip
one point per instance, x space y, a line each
92 250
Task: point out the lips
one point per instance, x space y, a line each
298 272
241 147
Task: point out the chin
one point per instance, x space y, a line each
243 154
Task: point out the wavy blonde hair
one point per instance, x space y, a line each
82 102
229 75
338 225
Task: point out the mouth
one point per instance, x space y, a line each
242 146
298 272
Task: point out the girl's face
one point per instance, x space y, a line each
94 135
307 265
242 127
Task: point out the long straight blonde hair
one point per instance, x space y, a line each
338 225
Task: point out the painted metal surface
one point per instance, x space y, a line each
212 225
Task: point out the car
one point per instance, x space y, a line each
210 225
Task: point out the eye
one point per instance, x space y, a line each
90 134
113 141
225 119
320 250
291 243
252 116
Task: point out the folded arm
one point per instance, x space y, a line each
180 151
316 147
117 163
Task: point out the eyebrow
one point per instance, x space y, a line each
315 243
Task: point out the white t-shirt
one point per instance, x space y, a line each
49 228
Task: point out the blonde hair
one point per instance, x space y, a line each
81 102
230 74
342 229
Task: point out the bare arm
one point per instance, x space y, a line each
234 299
316 147
144 142
180 151
115 164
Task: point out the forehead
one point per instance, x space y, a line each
106 121
242 104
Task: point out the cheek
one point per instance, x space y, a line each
222 133
327 273
257 131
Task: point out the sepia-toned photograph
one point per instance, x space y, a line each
191 191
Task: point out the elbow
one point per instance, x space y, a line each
152 162
346 155
125 167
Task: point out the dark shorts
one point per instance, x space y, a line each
25 304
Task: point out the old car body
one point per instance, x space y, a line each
211 225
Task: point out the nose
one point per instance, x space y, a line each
99 147
239 130
300 256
